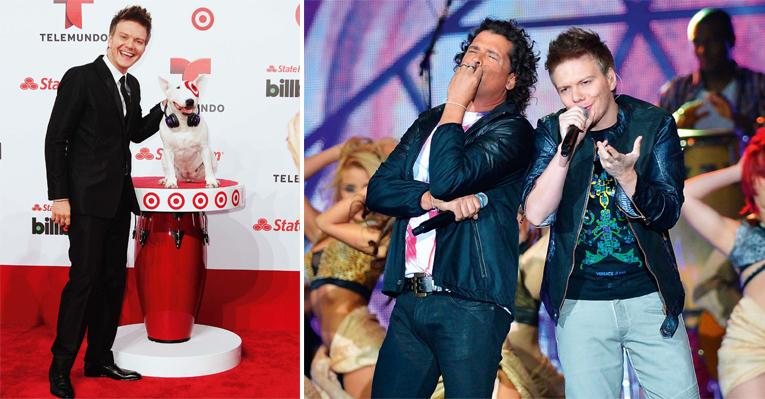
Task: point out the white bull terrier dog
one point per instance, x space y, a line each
186 156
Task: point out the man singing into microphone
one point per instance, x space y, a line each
610 282
455 285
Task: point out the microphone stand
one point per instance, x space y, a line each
425 67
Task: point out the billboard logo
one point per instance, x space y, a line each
190 69
73 13
47 227
285 88
202 18
278 225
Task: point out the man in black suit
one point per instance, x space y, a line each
87 157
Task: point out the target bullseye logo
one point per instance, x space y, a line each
151 200
235 198
202 18
200 200
176 201
220 199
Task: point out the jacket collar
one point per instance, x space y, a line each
111 87
434 114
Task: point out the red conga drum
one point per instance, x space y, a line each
171 253
170 263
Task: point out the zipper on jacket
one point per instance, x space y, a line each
479 244
578 232
648 266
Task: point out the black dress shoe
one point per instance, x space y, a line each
111 371
60 384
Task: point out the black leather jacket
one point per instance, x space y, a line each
477 259
651 212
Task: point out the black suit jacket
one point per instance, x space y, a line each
87 154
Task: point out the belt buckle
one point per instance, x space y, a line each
422 285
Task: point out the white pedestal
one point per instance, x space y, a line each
210 350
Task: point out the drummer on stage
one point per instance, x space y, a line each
720 94
87 158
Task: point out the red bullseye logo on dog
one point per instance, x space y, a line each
151 200
200 200
220 199
176 201
202 18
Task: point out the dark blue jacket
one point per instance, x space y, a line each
477 259
651 212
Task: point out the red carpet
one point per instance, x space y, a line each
261 306
269 369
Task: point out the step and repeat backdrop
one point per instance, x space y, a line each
250 51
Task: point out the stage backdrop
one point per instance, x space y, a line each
251 52
363 69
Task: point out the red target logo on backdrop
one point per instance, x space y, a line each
235 198
220 199
202 18
151 200
200 200
176 201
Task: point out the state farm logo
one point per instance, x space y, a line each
283 68
73 12
283 88
42 208
29 84
73 17
278 225
147 154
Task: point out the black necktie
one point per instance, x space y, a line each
125 94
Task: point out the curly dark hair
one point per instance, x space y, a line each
523 59
136 14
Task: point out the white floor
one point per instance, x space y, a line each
210 350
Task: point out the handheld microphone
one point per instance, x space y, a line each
444 218
569 142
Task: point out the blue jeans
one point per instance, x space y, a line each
440 334
593 335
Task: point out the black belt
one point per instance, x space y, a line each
422 285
